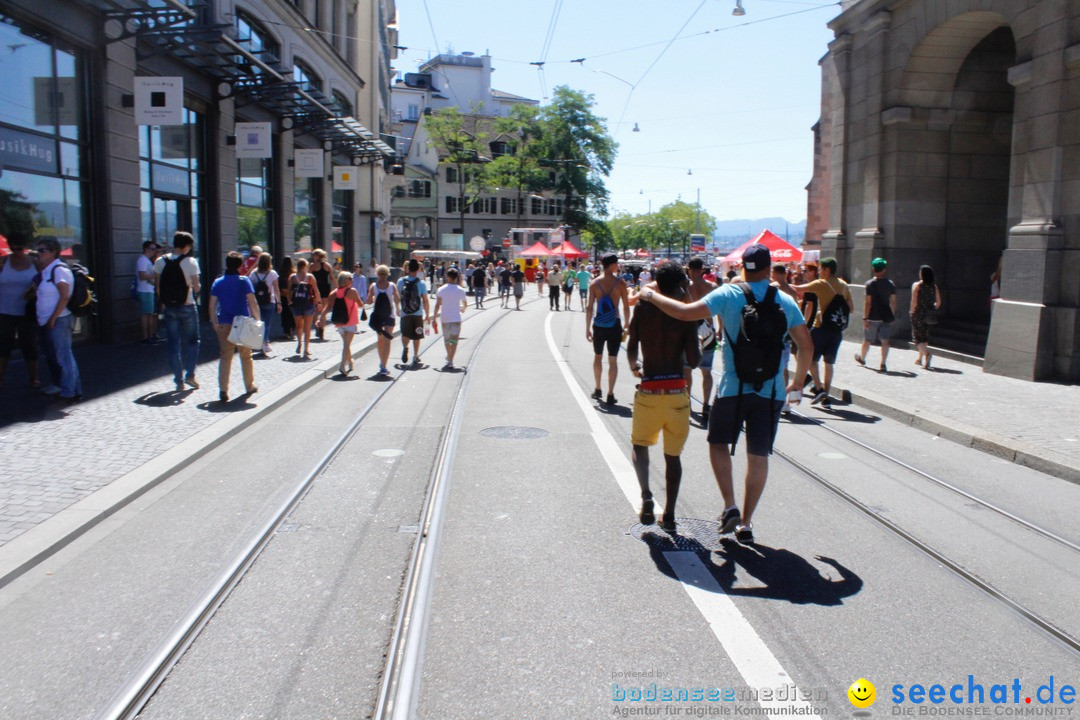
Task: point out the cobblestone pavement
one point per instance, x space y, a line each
1040 418
52 456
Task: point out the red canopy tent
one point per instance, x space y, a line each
537 249
567 250
5 249
781 251
643 253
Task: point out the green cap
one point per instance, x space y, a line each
878 264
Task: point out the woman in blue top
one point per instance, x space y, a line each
232 295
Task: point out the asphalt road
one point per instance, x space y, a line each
550 599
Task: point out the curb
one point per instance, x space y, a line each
966 435
50 536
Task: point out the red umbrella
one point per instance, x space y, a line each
537 249
780 250
567 250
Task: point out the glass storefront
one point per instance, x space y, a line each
44 188
306 193
172 171
342 227
254 203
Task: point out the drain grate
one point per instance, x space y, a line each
693 535
514 432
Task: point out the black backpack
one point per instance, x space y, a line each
836 314
760 341
340 314
380 312
262 290
81 301
173 287
410 297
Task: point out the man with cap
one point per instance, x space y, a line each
737 403
834 307
879 311
605 295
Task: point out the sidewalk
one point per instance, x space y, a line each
1031 424
52 456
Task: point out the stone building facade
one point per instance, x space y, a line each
953 140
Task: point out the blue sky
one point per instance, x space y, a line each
731 100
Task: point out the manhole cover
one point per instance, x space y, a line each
693 535
388 453
514 432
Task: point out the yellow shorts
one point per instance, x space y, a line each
653 413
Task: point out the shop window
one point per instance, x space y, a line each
307 195
254 203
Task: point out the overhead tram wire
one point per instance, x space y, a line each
633 87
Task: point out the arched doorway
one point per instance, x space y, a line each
977 189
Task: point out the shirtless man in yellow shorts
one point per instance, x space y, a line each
662 401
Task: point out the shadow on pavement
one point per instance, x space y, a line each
338 377
616 409
850 415
783 574
169 398
240 404
944 371
901 373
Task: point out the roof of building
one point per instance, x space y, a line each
502 95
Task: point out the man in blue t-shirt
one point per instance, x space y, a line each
736 402
413 320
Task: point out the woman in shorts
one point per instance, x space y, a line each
304 299
385 307
343 306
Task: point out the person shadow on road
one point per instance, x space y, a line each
782 574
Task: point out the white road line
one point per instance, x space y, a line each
748 652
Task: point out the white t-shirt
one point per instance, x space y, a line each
143 265
189 265
452 296
48 295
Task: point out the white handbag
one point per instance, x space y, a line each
246 331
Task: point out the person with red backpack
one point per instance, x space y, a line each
177 285
756 318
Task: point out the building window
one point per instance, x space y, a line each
341 228
453 204
254 202
255 40
414 112
451 175
342 105
508 206
173 182
306 78
44 155
307 193
537 206
419 189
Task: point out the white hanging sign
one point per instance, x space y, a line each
308 163
253 140
346 178
159 101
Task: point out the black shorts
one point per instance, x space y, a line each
612 336
412 327
761 416
826 344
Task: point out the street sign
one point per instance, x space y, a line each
476 243
506 242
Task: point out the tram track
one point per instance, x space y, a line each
132 697
909 537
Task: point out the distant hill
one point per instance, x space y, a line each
732 233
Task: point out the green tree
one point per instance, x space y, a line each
520 168
581 153
461 142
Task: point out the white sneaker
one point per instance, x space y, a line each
51 390
266 348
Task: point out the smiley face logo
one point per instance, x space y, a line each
862 693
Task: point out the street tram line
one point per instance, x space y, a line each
1028 614
402 676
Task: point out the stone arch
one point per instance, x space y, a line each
931 69
954 164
